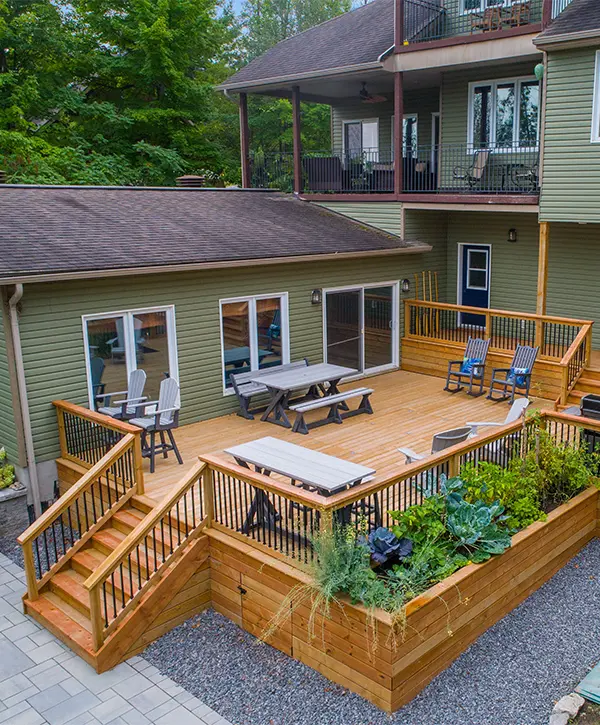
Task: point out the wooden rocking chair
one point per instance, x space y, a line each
507 381
470 370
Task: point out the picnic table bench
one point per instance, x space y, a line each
310 469
335 403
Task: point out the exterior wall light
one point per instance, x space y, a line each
512 236
316 297
406 285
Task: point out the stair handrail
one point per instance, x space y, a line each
79 505
187 528
575 361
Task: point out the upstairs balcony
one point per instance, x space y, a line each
450 170
438 20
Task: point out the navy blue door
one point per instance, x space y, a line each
475 281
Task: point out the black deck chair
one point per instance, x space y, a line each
470 370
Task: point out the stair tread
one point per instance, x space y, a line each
67 609
69 583
111 538
66 621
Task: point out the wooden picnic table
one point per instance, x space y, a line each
312 469
323 376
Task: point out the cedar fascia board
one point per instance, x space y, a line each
67 276
568 40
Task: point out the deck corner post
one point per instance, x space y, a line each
542 283
32 588
398 132
546 13
454 466
62 434
138 463
297 140
208 494
96 617
245 142
398 24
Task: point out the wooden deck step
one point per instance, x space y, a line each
68 585
65 622
107 540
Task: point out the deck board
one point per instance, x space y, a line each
408 409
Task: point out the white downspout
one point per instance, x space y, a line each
34 486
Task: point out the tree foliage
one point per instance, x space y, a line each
122 91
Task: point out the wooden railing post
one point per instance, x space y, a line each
62 434
564 385
407 315
539 334
96 618
588 347
454 465
30 574
488 325
208 494
138 463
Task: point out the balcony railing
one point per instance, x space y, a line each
426 20
429 169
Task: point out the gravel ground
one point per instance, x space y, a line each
510 676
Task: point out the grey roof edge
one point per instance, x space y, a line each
582 37
29 278
308 75
91 187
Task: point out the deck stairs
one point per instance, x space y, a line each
589 382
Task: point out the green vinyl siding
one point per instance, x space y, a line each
571 169
386 215
8 429
573 265
52 333
513 266
421 103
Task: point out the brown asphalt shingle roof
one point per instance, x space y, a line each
73 229
357 37
580 16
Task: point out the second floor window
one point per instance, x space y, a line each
504 113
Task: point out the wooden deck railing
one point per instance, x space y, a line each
72 520
270 513
116 587
562 340
86 436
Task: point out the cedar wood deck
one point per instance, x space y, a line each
408 409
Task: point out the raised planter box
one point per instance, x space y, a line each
248 586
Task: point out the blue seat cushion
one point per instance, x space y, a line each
519 375
469 363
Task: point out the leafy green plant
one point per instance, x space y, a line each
7 472
476 528
518 494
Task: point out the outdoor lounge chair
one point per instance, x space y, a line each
517 410
440 441
126 408
473 175
161 421
506 381
470 370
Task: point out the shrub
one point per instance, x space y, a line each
7 472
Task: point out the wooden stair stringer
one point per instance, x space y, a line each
589 382
122 643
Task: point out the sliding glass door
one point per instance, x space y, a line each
361 328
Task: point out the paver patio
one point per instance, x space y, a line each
42 681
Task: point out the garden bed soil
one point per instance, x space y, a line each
249 587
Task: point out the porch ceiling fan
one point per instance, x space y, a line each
366 97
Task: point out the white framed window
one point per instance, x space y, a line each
596 112
361 138
117 343
474 6
504 114
410 134
254 334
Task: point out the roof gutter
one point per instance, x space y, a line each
34 486
309 75
25 278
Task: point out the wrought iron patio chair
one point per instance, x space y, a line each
126 408
470 370
440 442
474 174
161 421
506 381
516 411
